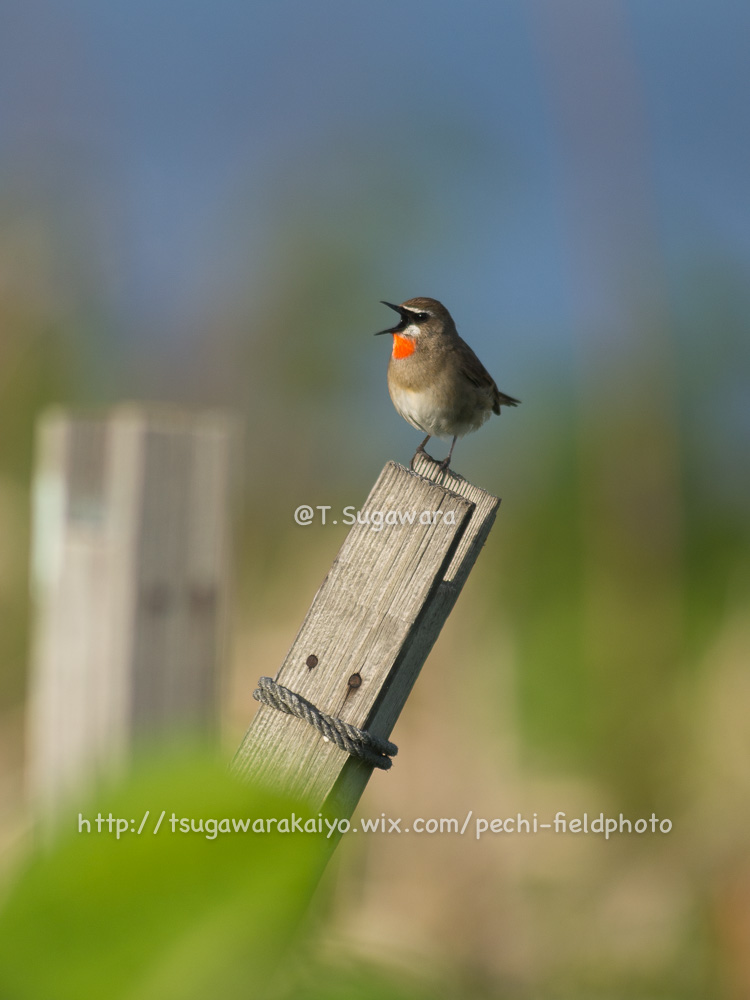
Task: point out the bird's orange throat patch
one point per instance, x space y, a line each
403 347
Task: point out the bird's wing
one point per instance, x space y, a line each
473 369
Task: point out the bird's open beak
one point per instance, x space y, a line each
395 309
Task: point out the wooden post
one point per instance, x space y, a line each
130 556
369 630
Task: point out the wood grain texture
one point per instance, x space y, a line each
354 776
130 554
377 614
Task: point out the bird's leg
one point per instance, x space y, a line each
447 461
420 451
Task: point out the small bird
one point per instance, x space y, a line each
436 382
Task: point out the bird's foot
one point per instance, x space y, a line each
420 451
443 466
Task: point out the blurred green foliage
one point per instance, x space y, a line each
168 915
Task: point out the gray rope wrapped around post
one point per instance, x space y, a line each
357 742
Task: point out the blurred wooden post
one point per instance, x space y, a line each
130 575
376 616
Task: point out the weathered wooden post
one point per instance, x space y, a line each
369 630
130 573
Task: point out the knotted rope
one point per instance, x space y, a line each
357 742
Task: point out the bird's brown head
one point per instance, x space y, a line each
421 320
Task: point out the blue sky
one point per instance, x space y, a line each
545 143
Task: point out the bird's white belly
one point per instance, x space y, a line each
424 412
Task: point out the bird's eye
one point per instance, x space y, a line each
423 316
